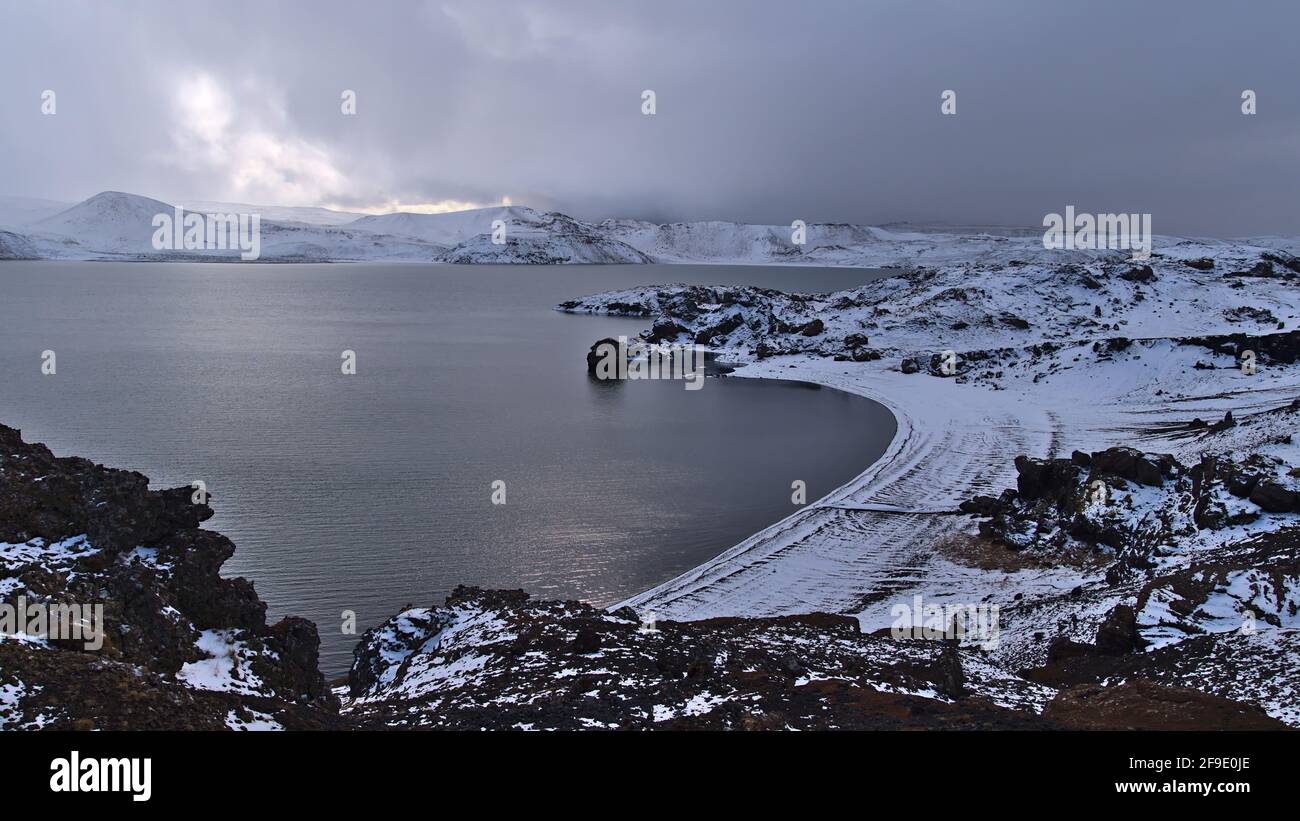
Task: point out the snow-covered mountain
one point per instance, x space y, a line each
531 237
307 215
109 222
448 229
115 225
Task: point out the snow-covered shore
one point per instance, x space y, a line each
1053 354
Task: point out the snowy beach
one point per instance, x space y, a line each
1110 353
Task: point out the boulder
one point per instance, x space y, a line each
665 330
812 328
1118 634
594 355
1142 273
1274 498
1053 479
1130 464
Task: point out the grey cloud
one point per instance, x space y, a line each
767 111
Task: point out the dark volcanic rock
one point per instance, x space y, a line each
97 537
812 328
1284 259
1274 498
665 330
488 660
114 509
1142 273
597 352
1094 499
707 336
1054 479
1278 348
1260 269
1131 464
1118 634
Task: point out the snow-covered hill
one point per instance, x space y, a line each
531 237
16 246
110 221
115 225
448 229
306 215
744 244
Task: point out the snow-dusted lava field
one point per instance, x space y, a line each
1054 354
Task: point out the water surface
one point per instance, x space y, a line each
372 491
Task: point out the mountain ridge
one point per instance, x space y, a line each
115 225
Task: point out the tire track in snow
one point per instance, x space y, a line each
875 534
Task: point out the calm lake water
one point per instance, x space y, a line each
369 492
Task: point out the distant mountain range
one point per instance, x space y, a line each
119 226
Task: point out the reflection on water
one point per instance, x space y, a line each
372 491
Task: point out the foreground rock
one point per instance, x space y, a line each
1140 505
499 660
180 647
1198 584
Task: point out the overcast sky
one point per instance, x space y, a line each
766 111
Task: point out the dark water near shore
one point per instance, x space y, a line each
372 491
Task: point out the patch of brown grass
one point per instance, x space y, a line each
973 550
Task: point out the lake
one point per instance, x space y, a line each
371 491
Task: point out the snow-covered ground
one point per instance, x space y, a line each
1053 353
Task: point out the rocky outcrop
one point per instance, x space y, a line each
500 660
1270 349
179 646
1137 504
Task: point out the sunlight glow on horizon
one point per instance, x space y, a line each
439 207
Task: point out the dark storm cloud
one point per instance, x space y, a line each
767 111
